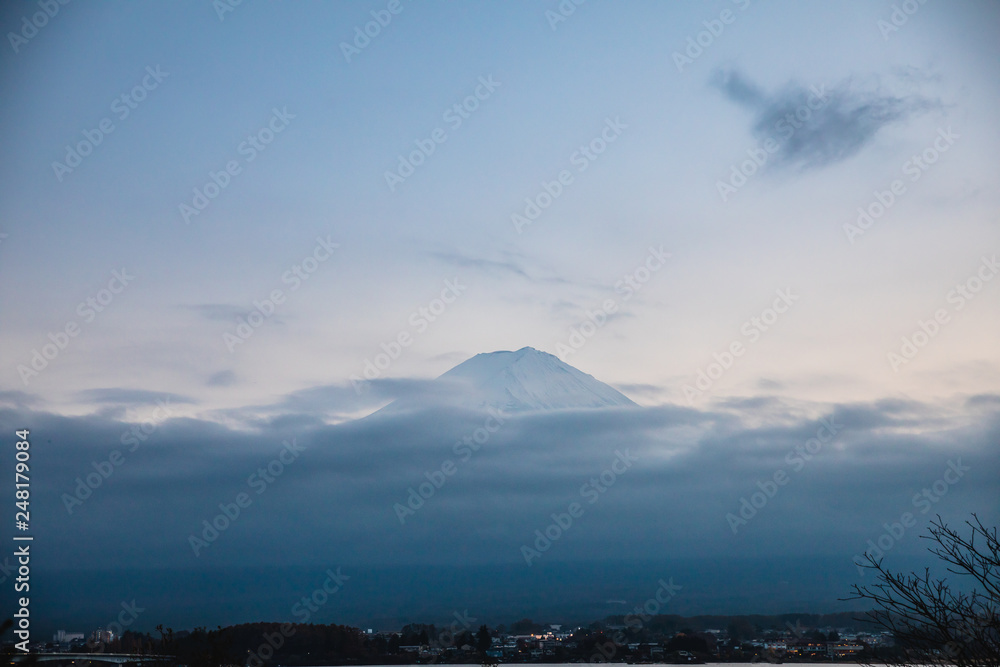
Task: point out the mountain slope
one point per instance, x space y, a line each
521 381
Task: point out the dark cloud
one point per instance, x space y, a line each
333 502
984 401
739 89
20 399
835 122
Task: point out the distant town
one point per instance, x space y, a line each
636 638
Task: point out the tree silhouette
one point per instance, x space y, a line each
932 622
483 639
483 643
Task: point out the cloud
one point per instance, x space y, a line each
346 398
984 401
19 399
737 88
217 312
767 384
701 459
509 263
505 266
221 379
343 402
641 389
131 397
834 123
334 503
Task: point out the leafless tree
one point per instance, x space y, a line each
933 622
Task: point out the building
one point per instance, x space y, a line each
844 649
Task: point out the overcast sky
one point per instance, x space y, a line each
743 215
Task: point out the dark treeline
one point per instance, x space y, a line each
633 637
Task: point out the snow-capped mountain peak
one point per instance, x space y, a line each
528 380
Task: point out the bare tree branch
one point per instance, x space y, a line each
932 622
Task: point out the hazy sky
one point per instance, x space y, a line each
683 126
237 209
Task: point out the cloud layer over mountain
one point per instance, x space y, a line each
446 487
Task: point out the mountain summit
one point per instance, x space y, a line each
528 380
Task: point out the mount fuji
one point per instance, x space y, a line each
523 381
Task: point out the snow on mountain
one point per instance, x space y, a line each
525 380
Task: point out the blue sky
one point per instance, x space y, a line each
324 175
815 308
